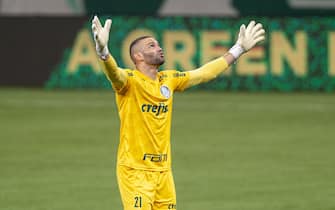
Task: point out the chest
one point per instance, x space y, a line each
154 91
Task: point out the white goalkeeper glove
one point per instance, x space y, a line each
101 36
247 38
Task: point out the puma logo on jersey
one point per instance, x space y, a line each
157 109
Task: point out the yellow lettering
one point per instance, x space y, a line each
127 41
211 42
83 53
251 64
331 54
214 44
179 49
281 50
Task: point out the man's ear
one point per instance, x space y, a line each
138 56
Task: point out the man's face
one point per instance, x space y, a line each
151 51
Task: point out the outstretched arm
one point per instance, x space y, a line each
248 37
111 69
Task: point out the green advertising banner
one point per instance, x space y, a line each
298 54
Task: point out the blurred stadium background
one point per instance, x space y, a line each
259 137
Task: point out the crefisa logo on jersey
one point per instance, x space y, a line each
165 91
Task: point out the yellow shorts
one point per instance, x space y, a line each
146 190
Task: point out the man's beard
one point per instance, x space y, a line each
159 61
155 60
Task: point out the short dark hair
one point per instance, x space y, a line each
133 43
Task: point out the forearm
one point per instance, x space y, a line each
110 68
113 73
210 70
229 58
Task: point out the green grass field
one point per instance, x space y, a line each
231 151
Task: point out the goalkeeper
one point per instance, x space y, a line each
144 99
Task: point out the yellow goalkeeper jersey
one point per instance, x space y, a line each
145 109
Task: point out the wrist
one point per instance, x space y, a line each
236 51
102 53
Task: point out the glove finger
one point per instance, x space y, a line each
250 26
242 31
258 39
95 32
96 21
258 33
94 28
108 24
95 36
257 27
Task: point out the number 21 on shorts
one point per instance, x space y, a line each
138 202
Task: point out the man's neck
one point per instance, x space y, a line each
148 70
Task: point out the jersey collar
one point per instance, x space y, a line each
145 77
